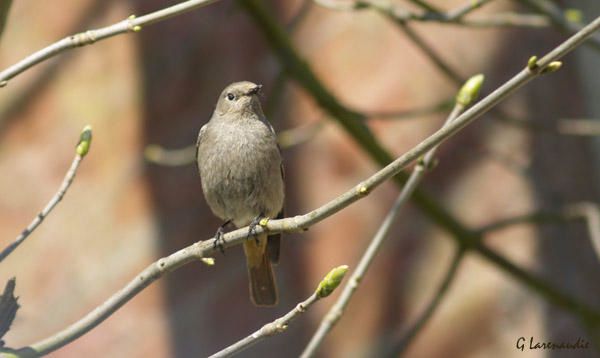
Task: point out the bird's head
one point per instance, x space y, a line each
240 98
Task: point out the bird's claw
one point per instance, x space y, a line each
252 228
219 241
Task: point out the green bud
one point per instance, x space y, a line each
532 64
331 281
470 90
552 67
574 15
208 261
85 140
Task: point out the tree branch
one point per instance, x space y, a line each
325 288
557 16
156 154
337 310
131 24
453 17
80 152
399 348
587 211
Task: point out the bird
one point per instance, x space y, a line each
241 171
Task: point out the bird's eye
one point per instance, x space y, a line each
230 96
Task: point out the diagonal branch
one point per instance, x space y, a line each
131 24
337 310
399 348
80 152
586 211
325 288
452 17
559 19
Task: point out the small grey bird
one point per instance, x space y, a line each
242 178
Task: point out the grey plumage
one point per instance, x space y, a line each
241 172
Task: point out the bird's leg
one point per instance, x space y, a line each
252 227
219 237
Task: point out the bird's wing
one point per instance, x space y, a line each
202 130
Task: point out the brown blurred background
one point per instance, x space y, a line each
159 87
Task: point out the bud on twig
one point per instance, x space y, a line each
85 140
470 90
331 281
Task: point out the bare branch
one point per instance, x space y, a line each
582 127
326 287
462 11
443 106
558 18
337 310
131 24
156 154
301 134
453 17
81 151
431 54
426 6
399 348
586 211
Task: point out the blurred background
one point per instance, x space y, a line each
158 87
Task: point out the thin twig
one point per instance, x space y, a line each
431 54
156 154
300 134
66 183
395 11
278 84
43 79
131 24
426 6
288 138
399 348
505 19
269 329
325 288
337 310
582 127
443 106
586 211
558 18
462 11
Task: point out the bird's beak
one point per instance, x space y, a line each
255 89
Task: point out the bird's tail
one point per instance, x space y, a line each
263 290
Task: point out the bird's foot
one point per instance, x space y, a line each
252 227
218 243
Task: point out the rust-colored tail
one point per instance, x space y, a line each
263 290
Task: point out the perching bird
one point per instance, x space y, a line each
242 178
